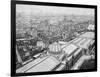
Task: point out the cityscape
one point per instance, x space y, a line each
50 38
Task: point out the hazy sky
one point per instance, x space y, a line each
52 10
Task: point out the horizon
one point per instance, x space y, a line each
52 10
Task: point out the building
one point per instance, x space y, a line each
40 44
59 55
85 41
56 51
43 64
89 35
91 27
73 53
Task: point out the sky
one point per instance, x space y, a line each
53 10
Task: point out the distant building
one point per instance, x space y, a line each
40 44
91 27
20 36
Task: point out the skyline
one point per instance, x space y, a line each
53 10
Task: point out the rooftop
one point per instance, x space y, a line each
90 35
70 49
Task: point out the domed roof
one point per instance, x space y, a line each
55 48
